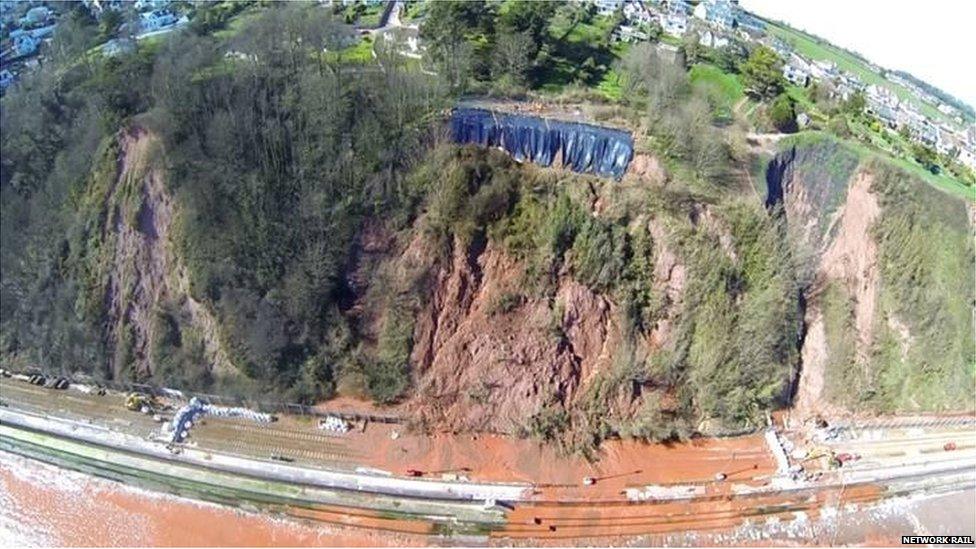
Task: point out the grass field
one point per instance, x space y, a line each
712 77
723 90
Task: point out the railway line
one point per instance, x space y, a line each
210 467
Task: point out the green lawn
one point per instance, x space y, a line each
809 47
360 52
713 78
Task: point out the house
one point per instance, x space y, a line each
675 25
749 23
142 5
781 48
679 7
156 20
797 71
406 40
711 39
635 12
718 13
885 114
968 158
824 70
945 109
627 33
35 16
608 7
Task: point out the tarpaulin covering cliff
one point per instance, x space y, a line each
582 147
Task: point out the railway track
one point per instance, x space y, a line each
538 519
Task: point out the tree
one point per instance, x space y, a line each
782 115
451 22
692 48
109 24
513 56
855 104
762 73
532 18
730 57
925 156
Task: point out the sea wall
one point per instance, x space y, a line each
583 148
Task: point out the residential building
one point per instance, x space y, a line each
884 113
781 48
711 39
797 71
824 70
718 13
636 13
627 33
675 25
750 23
142 5
156 20
608 7
679 7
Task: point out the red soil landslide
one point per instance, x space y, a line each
622 464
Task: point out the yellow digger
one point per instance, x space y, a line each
138 402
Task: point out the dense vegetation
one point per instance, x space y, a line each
275 155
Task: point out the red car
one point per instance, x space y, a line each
414 473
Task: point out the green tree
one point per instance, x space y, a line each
109 24
782 114
513 57
451 23
855 104
692 48
762 73
524 16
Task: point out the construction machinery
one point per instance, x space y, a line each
138 402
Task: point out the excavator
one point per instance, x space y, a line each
138 402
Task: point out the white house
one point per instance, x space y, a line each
824 70
635 12
720 13
711 39
156 20
675 25
627 33
796 73
608 7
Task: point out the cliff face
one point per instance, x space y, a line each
532 302
145 303
870 283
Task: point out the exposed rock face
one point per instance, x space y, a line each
487 357
851 258
831 211
145 271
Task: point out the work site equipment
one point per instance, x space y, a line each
138 402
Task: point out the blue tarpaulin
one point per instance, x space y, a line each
582 147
